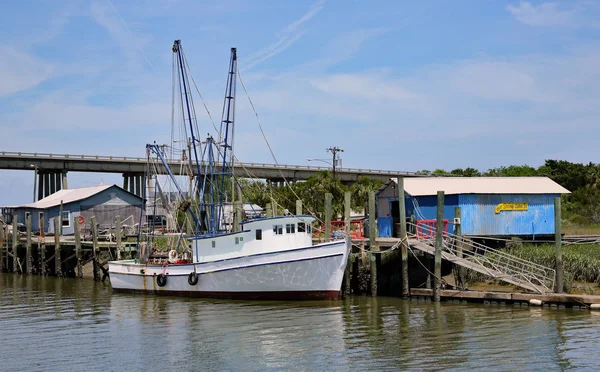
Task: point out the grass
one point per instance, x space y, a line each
581 263
581 230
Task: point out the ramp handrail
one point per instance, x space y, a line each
495 262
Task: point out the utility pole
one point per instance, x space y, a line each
334 150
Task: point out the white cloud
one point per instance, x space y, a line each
545 14
20 71
285 38
363 85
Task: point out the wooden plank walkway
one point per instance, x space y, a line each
510 297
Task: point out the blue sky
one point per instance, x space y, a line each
400 85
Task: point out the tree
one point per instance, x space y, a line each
360 192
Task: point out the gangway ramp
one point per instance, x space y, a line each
495 263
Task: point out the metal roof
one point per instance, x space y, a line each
67 196
481 185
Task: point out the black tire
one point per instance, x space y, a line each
193 278
161 280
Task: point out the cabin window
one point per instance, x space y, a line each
278 229
258 234
309 229
290 228
66 220
214 243
237 240
301 227
27 214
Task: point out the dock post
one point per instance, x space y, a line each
373 243
4 243
328 203
404 237
439 236
77 227
269 210
348 272
298 207
558 287
42 248
15 242
95 252
459 245
60 213
57 260
118 237
28 258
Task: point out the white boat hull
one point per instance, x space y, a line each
314 272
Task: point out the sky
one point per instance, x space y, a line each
399 85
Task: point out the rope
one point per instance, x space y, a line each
269 145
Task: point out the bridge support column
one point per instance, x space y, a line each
46 185
64 180
52 182
135 183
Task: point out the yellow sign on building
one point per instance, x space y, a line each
512 207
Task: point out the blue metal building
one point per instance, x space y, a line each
105 202
490 206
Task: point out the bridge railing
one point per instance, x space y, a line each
48 156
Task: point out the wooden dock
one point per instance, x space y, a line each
506 298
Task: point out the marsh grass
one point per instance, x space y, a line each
581 263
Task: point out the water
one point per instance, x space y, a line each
67 324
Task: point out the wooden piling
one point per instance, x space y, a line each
42 248
57 258
558 287
348 272
77 227
28 258
95 251
60 213
373 243
459 245
237 216
15 242
298 207
4 247
118 237
404 237
328 205
439 236
269 210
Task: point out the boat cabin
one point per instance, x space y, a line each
261 235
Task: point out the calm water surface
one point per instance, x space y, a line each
66 324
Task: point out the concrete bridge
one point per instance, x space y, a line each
52 170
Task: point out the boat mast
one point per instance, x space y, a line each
226 133
188 102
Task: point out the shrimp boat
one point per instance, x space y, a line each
259 258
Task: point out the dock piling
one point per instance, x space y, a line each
404 237
328 205
42 248
439 235
77 227
95 251
459 246
118 237
28 258
373 243
15 242
348 272
558 288
57 258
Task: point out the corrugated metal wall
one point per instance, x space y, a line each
428 207
479 217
